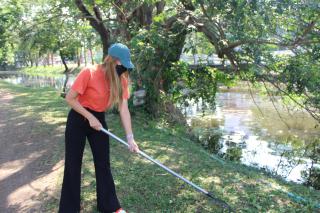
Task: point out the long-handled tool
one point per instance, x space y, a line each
214 199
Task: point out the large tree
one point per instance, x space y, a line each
243 33
10 12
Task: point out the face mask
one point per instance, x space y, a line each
120 69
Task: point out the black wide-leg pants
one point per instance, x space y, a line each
77 130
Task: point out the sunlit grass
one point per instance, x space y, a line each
49 71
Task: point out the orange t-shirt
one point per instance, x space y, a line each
94 89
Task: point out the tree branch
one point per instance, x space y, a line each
96 23
92 19
122 19
188 5
297 41
315 115
160 6
309 27
97 11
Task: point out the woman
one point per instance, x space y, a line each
94 91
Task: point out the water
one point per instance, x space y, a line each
56 82
257 138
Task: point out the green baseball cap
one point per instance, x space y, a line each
122 53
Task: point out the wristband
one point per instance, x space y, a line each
129 136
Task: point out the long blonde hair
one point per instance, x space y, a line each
109 67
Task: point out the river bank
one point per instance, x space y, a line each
142 186
241 127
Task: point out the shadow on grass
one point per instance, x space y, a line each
144 187
31 147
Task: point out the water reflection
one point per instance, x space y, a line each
58 82
256 137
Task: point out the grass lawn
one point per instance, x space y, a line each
48 71
144 187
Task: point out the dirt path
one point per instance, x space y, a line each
29 162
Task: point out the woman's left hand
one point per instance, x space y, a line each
133 147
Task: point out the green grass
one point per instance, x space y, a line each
49 71
144 187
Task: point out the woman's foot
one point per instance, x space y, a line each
121 211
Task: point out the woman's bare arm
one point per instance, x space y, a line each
126 123
71 99
125 117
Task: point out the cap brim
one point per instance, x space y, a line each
127 64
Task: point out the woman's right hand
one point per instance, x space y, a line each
95 123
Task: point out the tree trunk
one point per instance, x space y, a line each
91 56
37 59
66 69
122 30
66 72
160 6
156 105
85 55
63 93
48 59
90 51
78 57
97 23
143 15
